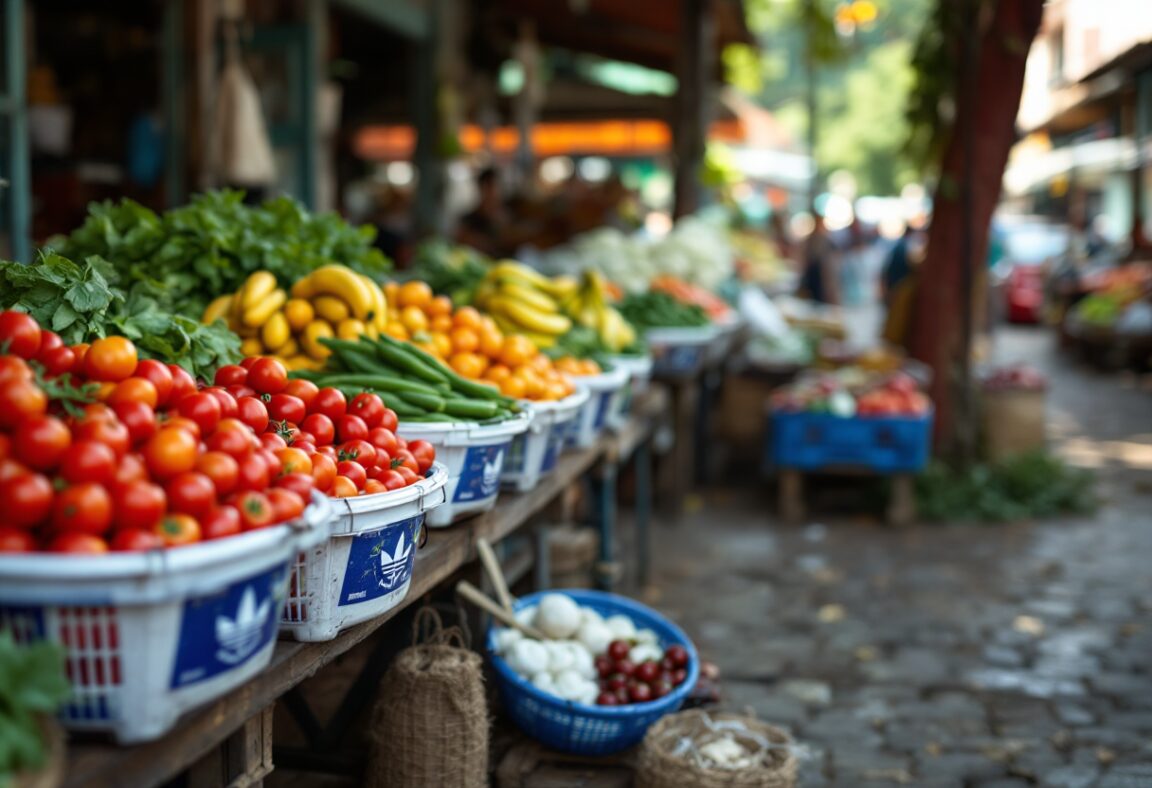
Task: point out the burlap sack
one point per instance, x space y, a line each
669 756
430 724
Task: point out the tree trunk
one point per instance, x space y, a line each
988 97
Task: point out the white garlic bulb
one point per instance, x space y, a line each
595 636
558 616
621 627
528 657
644 652
504 639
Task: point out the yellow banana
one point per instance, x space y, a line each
513 268
309 340
303 288
351 329
529 296
299 313
542 341
217 309
331 308
379 316
529 318
341 281
256 289
275 332
371 331
252 347
297 361
258 315
562 286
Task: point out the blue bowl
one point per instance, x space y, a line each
579 728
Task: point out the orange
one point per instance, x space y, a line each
415 293
468 365
589 367
428 347
414 319
498 373
440 306
464 340
396 330
556 390
391 290
533 384
467 317
513 387
491 341
517 350
441 323
443 343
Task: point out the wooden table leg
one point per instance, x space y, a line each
902 506
242 760
791 492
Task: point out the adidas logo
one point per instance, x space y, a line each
394 566
239 637
491 474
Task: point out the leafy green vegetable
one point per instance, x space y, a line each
449 269
656 309
32 683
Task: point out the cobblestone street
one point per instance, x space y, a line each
944 656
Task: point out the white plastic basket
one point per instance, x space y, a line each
534 453
639 369
150 635
605 393
365 567
679 351
474 456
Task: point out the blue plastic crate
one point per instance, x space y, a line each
815 441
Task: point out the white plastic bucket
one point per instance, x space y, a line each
605 392
148 636
534 453
365 567
679 351
474 456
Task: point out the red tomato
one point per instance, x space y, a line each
285 407
304 390
248 361
255 510
191 493
221 468
133 540
273 441
371 487
57 361
131 469
350 469
410 476
329 452
110 359
220 522
343 487
79 543
252 412
81 352
108 431
360 450
138 504
267 376
240 390
169 452
320 426
202 408
20 333
49 341
369 407
424 452
392 480
14 368
390 421
20 400
13 540
293 460
178 529
86 508
237 443
89 461
189 426
299 483
183 384
27 499
385 439
5 446
228 408
350 428
254 473
306 446
9 468
330 402
134 390
139 419
286 504
41 442
275 465
403 459
159 375
323 471
230 374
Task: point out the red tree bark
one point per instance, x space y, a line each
990 104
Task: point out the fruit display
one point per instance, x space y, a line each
332 301
853 392
452 270
687 293
661 310
522 301
589 306
1015 378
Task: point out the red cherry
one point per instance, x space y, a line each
647 671
678 655
607 699
604 667
619 649
617 681
625 666
660 688
639 693
679 677
622 696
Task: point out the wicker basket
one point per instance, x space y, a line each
665 761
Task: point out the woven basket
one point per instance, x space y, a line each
665 761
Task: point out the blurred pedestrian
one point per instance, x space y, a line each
820 280
486 227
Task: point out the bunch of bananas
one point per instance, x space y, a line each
588 306
332 301
523 301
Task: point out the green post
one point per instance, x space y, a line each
15 93
173 100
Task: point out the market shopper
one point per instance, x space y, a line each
820 280
486 226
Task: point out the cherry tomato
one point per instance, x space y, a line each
306 446
14 368
285 407
27 499
57 361
89 461
255 510
329 452
202 408
20 335
360 450
293 460
139 419
390 421
323 471
403 458
350 469
273 441
169 452
20 400
254 473
237 443
410 476
392 480
286 504
138 504
109 431
424 452
275 465
81 351
350 428
220 522
80 543
158 374
230 374
131 468
9 468
228 407
321 426
132 540
372 486
369 407
178 529
49 341
134 390
299 483
304 390
110 359
5 446
179 422
41 442
330 402
267 376
384 439
343 487
183 384
86 508
240 390
13 540
221 468
248 361
191 493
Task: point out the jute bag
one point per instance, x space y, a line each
675 753
430 724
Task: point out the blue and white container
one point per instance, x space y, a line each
148 636
364 568
474 456
533 454
605 392
680 352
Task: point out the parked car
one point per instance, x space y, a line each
1031 246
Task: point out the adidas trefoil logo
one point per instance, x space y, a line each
239 637
394 566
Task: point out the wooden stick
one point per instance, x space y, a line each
477 597
495 573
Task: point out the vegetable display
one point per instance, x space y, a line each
522 301
660 310
853 392
449 269
688 293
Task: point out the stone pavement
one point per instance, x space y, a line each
943 656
